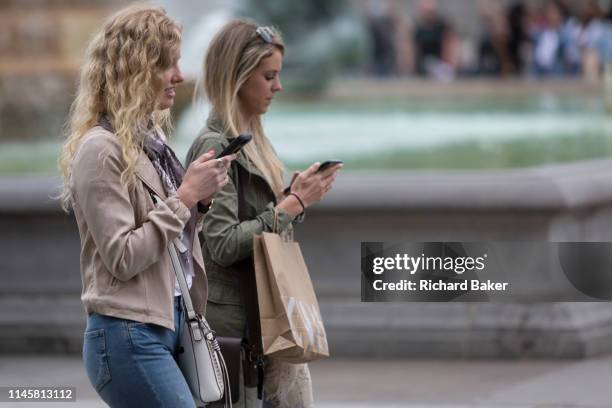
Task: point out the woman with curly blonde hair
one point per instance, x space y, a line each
131 198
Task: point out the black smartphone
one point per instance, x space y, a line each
327 164
236 144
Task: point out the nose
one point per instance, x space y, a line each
177 78
277 86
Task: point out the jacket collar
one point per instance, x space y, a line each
148 175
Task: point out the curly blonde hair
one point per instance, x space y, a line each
233 55
119 78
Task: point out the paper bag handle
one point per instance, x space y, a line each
286 234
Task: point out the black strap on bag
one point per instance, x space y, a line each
253 367
252 347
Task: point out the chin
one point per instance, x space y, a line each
166 103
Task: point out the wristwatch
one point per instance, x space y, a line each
204 208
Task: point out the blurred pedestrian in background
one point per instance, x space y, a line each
494 57
436 43
595 40
382 34
555 42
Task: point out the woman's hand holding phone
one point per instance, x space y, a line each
310 186
203 178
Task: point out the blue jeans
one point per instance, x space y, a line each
132 364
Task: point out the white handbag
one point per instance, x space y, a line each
199 358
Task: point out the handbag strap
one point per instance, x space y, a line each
193 318
178 269
180 277
275 223
286 234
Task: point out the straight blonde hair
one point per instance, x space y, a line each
234 53
119 78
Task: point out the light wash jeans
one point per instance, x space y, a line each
132 364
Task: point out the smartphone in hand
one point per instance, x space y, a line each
327 164
236 144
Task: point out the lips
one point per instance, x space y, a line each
170 92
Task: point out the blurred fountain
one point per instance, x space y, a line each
200 21
321 39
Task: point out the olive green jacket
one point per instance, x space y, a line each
228 243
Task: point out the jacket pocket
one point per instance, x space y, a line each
95 358
114 282
109 284
104 281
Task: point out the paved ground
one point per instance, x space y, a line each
386 384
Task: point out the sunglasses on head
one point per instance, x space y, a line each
265 33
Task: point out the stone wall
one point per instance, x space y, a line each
40 310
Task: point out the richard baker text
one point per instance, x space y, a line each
430 285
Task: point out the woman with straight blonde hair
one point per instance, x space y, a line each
241 75
131 198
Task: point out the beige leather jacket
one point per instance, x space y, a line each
125 263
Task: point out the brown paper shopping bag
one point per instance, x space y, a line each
291 324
